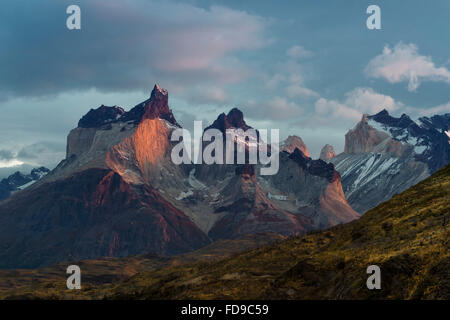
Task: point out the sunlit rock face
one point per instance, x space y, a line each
157 106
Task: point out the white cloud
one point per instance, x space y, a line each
289 76
366 100
443 108
10 163
274 81
297 52
357 102
334 109
404 63
296 90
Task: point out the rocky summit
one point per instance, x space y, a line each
327 153
294 142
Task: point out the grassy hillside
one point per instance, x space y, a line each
406 236
99 276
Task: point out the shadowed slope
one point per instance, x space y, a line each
91 214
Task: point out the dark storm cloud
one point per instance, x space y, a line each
37 150
121 46
6 155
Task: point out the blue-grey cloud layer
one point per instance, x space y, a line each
122 45
307 67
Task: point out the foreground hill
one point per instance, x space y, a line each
407 237
99 276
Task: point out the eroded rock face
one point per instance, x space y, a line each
363 138
327 153
292 143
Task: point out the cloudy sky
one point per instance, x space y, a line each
309 68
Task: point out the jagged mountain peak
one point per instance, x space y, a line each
363 137
439 121
385 118
100 116
327 153
426 136
157 106
385 155
234 119
18 181
294 142
315 167
382 113
158 92
364 118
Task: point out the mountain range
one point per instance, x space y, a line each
118 193
19 181
407 237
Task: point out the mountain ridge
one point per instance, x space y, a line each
385 155
19 181
128 154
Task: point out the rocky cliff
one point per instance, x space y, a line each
385 155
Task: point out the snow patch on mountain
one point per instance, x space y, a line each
184 195
368 169
26 185
19 181
196 184
401 134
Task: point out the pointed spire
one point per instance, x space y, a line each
158 92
